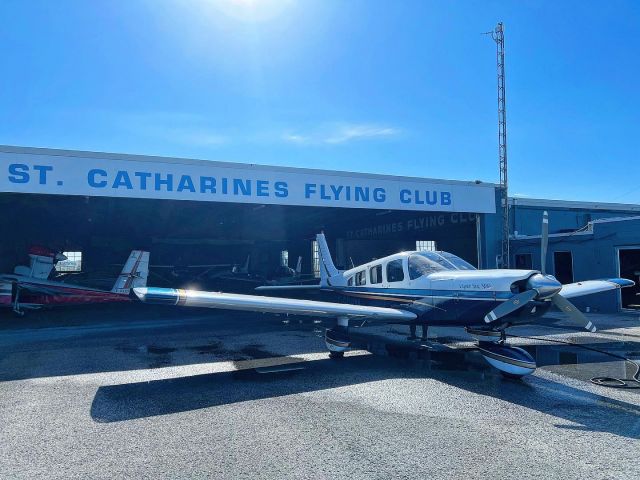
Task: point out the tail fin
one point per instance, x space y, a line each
41 263
327 269
299 266
134 273
245 267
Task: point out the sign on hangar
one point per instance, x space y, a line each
64 172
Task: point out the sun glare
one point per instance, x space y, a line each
252 10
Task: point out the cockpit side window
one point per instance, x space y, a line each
375 274
420 265
350 281
395 272
361 277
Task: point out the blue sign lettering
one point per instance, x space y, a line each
19 173
43 169
122 180
143 176
91 178
282 190
309 188
167 182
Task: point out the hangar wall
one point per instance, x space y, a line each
585 243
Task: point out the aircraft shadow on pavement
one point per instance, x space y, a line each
57 343
587 411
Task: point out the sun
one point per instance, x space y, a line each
253 10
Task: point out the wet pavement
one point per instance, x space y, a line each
158 392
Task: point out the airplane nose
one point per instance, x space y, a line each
546 285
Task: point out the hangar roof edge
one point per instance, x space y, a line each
194 161
567 204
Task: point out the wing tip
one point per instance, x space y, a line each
622 282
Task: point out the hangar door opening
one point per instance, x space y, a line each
629 262
370 235
197 244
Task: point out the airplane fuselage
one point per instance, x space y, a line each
446 297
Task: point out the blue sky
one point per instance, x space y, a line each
396 87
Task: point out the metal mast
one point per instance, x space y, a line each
498 37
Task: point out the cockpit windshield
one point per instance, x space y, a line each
421 264
457 262
424 263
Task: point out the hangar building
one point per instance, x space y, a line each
99 206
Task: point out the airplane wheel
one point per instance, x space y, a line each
336 355
511 376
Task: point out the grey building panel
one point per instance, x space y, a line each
594 253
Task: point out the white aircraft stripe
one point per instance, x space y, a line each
490 317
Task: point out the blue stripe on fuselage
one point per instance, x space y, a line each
421 293
435 307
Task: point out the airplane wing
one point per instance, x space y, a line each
588 287
42 288
213 265
255 303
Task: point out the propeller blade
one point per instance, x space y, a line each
544 242
511 305
572 312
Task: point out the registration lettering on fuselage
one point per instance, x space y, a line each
475 286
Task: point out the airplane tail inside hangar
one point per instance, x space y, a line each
195 212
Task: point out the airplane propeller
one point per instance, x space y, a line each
510 306
572 312
541 287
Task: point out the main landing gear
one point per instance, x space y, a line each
16 303
512 362
337 338
412 332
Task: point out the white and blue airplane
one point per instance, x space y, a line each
419 288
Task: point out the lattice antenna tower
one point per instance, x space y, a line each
498 37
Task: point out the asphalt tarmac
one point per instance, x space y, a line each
146 392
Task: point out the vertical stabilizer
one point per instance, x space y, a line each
40 266
134 273
41 263
244 269
329 274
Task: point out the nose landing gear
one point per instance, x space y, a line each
512 362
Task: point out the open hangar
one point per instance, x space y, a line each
196 212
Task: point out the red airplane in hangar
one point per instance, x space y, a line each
30 288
